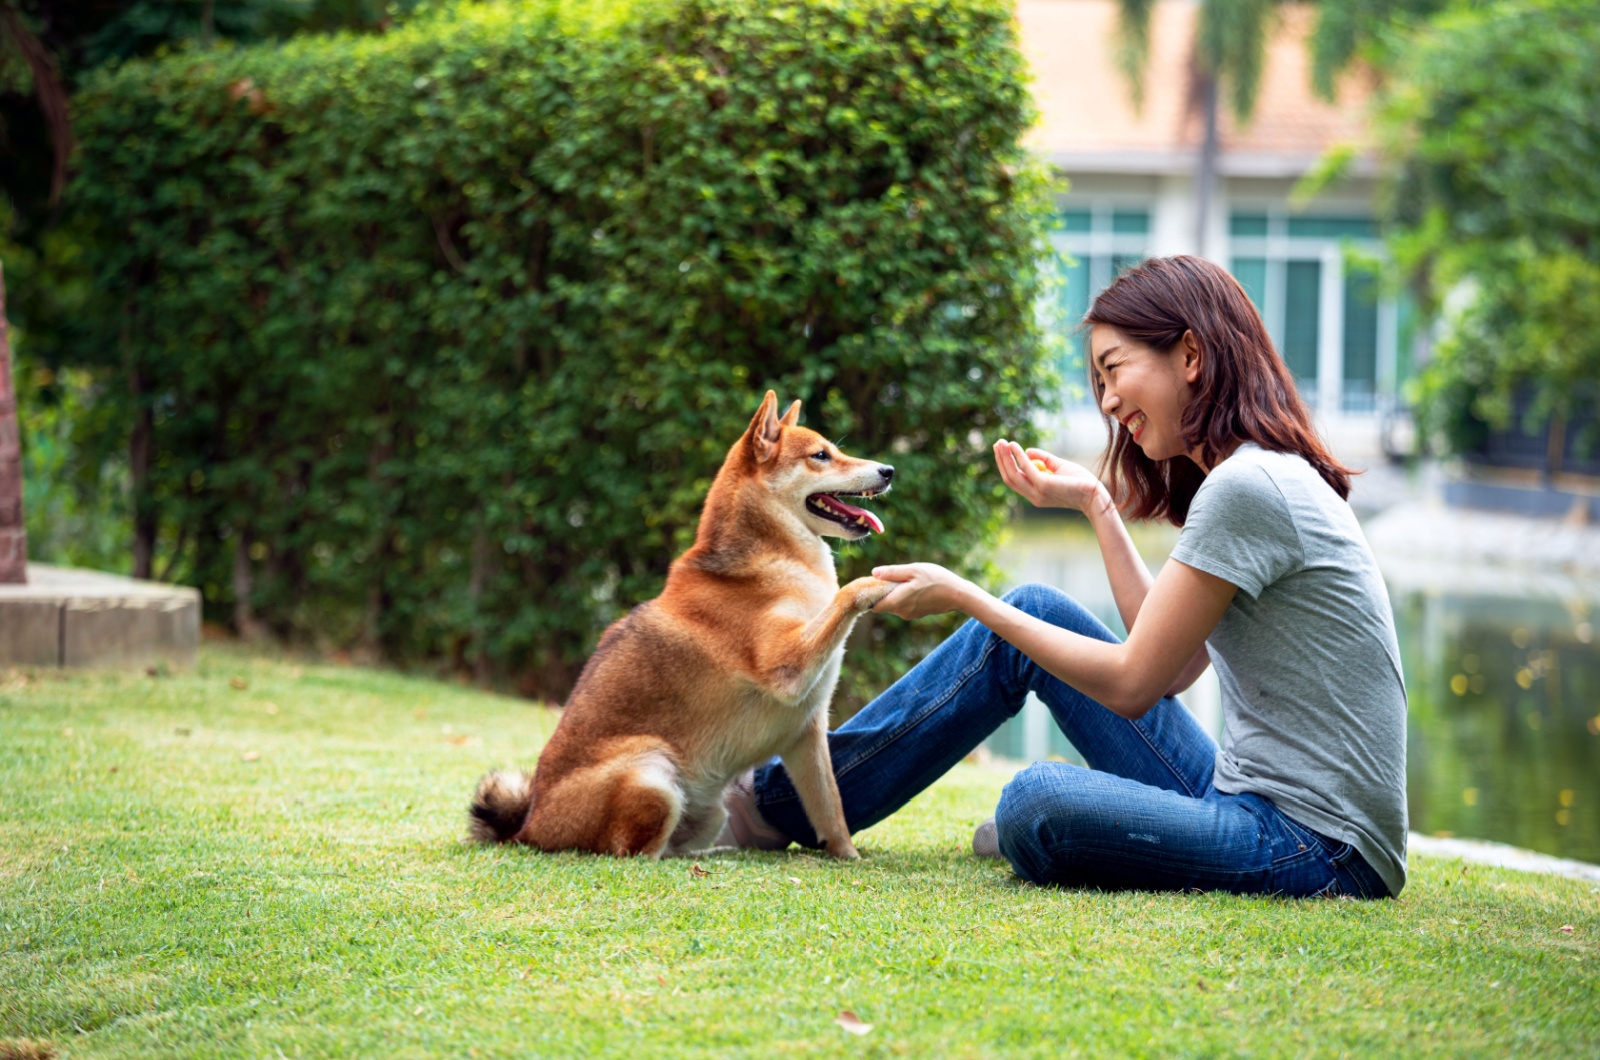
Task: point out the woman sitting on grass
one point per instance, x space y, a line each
1271 581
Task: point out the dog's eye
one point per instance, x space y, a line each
823 455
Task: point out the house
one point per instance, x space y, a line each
1130 174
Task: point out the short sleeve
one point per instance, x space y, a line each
1239 528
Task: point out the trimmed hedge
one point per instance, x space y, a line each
434 340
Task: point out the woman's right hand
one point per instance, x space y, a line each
1063 485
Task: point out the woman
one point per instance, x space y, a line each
1271 581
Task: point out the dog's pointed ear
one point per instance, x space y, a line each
764 429
792 417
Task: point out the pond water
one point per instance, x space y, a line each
1502 675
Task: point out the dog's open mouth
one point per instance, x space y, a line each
829 506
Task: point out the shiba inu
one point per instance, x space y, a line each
734 662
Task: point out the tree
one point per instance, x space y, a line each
1494 209
13 536
1229 55
1377 31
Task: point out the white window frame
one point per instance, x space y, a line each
1278 248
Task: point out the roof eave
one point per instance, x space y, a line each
1183 163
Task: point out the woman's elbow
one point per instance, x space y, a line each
1133 697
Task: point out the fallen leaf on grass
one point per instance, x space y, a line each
792 879
458 739
238 682
661 979
1566 929
851 1022
251 756
270 708
697 872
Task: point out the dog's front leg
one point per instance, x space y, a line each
791 664
811 770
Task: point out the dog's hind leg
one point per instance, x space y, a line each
645 807
625 807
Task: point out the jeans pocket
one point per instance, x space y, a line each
1301 867
1293 839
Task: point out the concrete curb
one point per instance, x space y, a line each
1500 855
68 617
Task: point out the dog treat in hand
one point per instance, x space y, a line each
1040 464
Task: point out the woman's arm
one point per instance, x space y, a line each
1069 485
1181 609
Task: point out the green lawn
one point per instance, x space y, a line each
265 857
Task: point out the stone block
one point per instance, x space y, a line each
78 618
30 633
130 632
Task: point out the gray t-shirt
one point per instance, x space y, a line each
1312 691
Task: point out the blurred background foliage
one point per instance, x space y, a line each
1490 125
481 291
428 343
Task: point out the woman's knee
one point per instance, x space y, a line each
1038 599
1051 605
1034 820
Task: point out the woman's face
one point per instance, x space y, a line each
1144 390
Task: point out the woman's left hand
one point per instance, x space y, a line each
922 589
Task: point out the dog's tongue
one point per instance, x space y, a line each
852 511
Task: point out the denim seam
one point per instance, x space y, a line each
1166 760
960 682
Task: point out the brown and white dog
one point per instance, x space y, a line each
734 662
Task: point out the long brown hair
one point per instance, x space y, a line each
1244 394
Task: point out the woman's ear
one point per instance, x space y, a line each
1192 356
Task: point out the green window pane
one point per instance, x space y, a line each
1130 222
1252 276
1332 227
1302 319
1074 303
1075 287
1073 221
1360 341
1247 224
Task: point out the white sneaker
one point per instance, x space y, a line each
986 840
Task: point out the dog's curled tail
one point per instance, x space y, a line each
500 807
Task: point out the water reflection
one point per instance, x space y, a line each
1504 723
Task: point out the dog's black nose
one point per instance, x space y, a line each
886 473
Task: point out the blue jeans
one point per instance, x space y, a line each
1144 815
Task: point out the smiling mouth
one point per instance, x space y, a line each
830 507
1135 424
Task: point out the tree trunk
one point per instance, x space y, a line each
13 534
1205 182
244 615
139 461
